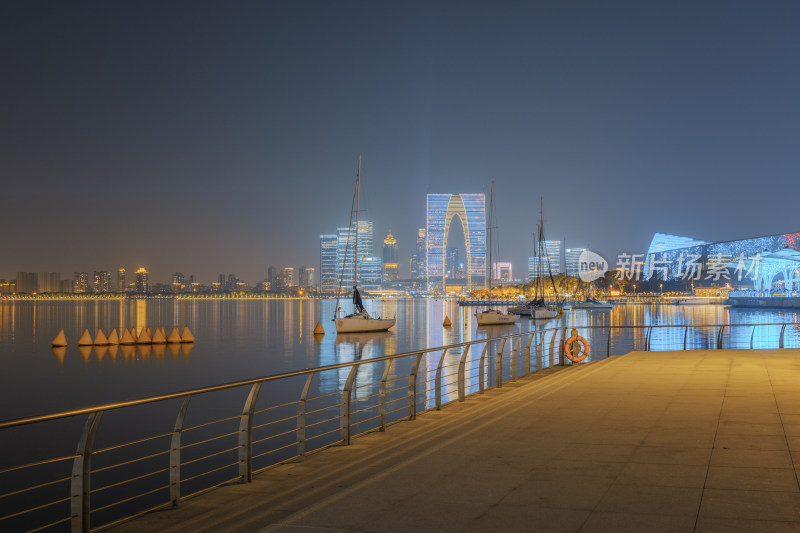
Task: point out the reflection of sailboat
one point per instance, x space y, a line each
360 320
537 308
360 341
493 317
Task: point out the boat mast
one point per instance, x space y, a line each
358 198
491 220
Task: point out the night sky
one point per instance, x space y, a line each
222 137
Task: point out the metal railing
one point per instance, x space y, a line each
97 487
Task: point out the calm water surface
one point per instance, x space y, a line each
239 339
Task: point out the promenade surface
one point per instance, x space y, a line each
650 441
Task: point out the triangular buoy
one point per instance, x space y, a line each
127 338
100 339
113 338
447 322
159 337
186 335
318 329
149 333
86 339
174 336
134 334
144 338
60 340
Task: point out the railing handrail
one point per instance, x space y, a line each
15 422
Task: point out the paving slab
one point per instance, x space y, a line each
695 441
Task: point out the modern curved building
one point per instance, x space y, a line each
470 210
767 263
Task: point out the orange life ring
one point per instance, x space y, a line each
584 349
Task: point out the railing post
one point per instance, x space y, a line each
382 395
608 343
462 385
751 337
175 455
783 329
412 389
552 347
685 335
541 350
344 406
301 418
498 366
719 337
246 435
481 371
528 354
514 359
81 506
647 338
439 380
563 341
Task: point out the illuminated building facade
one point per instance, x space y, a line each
418 259
305 277
80 283
572 259
470 210
102 281
769 264
121 287
501 271
142 285
345 257
390 264
550 264
328 276
370 272
49 282
27 282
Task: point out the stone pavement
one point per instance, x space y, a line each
651 441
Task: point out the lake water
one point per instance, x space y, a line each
245 338
238 339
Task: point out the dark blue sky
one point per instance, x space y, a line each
209 137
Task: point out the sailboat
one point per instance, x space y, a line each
493 317
537 308
360 320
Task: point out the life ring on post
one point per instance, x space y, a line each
570 344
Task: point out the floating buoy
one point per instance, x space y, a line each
127 338
150 333
134 335
186 335
174 336
144 338
100 339
159 337
86 339
113 338
60 340
318 329
447 322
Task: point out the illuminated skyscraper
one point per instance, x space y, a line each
551 265
102 281
419 258
369 271
571 257
328 276
470 209
80 284
346 244
121 287
49 282
142 284
305 277
27 282
390 265
502 271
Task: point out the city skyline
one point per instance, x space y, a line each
227 139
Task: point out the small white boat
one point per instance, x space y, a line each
493 317
361 323
592 303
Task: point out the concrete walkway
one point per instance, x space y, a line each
650 441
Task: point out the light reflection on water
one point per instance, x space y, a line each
239 339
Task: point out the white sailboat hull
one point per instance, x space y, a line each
362 324
544 312
593 305
495 318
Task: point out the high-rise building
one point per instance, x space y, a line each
80 283
233 283
549 265
272 277
66 286
49 282
142 284
470 209
571 260
121 287
285 280
370 270
345 251
27 282
101 281
390 264
419 258
305 277
501 271
451 263
328 276
178 282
